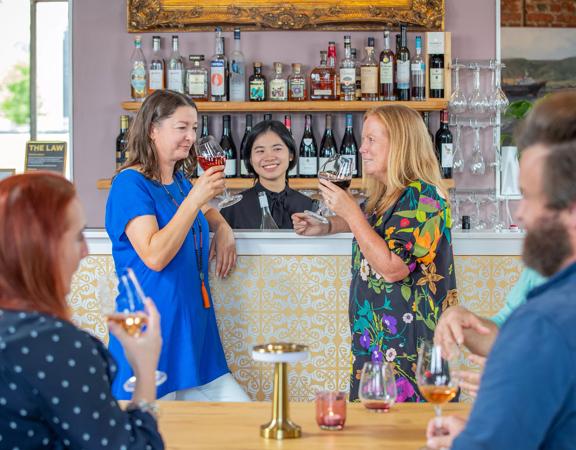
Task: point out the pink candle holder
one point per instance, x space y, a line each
331 410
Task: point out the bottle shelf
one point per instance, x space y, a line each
295 183
307 106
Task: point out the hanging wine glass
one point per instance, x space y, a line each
498 100
458 102
338 170
477 102
458 162
477 166
209 154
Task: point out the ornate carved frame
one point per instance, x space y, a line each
203 15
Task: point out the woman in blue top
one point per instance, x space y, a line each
159 225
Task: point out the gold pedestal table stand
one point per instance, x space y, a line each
280 426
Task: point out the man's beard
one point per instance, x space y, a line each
547 247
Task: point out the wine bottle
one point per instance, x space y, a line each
267 222
175 68
288 124
218 70
403 66
436 61
349 146
418 69
308 157
237 71
369 73
205 132
157 69
243 151
387 69
121 142
426 118
328 144
444 150
138 74
227 144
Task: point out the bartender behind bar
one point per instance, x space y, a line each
269 153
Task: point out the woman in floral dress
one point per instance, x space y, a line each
402 261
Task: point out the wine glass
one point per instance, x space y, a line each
209 153
478 166
128 311
498 99
338 170
477 102
458 102
458 162
435 375
377 390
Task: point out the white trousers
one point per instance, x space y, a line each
222 389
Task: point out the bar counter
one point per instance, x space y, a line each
236 426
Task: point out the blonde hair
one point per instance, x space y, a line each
411 157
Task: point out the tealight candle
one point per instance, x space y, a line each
331 410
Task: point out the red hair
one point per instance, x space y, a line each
33 217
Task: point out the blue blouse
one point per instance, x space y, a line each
192 353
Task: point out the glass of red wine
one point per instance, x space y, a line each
377 390
338 170
209 153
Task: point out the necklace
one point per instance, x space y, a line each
197 251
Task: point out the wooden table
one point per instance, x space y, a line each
236 426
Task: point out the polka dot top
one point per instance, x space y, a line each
55 390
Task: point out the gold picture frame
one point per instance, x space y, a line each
203 15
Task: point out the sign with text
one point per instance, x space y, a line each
45 155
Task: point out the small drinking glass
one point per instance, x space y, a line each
338 170
331 410
377 389
458 102
209 154
478 166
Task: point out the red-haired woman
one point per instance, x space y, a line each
55 379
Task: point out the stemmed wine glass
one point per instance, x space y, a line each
338 170
477 102
458 102
458 162
128 311
498 99
435 375
478 166
377 390
209 153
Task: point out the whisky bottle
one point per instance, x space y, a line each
331 62
121 142
138 85
308 155
369 74
347 73
418 73
358 93
257 84
175 68
387 70
157 69
237 71
218 70
322 80
278 85
297 84
197 79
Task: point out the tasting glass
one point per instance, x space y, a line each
331 410
477 166
377 390
458 102
209 153
338 170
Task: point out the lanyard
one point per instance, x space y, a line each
197 251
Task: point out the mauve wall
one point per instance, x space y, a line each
102 47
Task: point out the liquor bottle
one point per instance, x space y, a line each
197 79
205 132
308 155
331 62
297 84
237 71
444 150
121 142
157 69
387 70
278 85
293 172
436 60
267 222
349 146
347 73
257 84
403 66
243 169
322 80
138 76
227 144
369 73
418 73
426 118
175 68
328 144
218 70
358 93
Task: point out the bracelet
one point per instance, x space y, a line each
144 406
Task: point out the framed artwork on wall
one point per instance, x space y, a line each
196 15
5 173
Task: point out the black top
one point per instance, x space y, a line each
246 214
55 390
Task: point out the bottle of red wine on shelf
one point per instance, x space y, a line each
227 144
121 142
444 150
436 52
205 132
403 66
308 157
426 118
328 144
349 147
243 169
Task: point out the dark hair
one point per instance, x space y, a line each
33 218
558 172
551 121
157 107
261 128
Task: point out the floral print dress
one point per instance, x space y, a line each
388 320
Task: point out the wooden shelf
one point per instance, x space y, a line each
309 106
245 183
